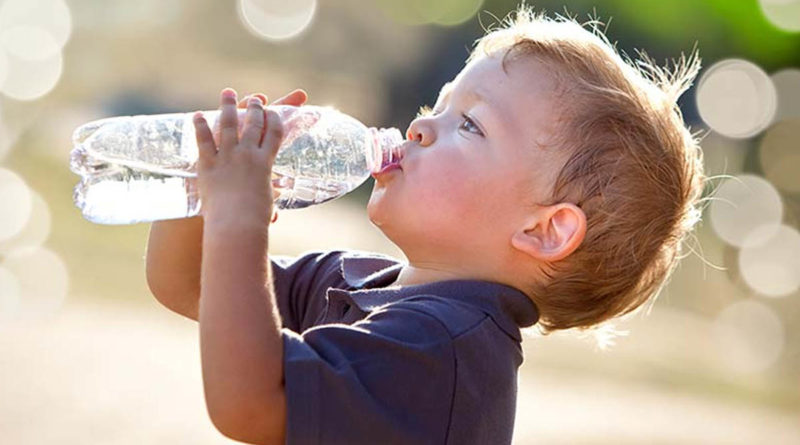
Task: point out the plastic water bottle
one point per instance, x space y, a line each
143 168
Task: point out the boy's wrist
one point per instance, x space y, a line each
234 222
240 210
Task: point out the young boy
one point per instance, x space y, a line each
551 183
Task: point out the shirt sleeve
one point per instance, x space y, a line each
300 284
387 379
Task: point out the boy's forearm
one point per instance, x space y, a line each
174 255
240 342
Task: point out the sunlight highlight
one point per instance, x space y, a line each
783 14
36 230
736 98
33 35
422 12
743 204
772 267
38 297
15 200
53 16
749 337
276 20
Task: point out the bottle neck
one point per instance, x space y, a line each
382 147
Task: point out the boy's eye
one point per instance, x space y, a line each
469 125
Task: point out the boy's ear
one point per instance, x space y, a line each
552 233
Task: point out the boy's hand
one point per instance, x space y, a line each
234 176
296 99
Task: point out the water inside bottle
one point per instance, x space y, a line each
112 193
119 194
143 168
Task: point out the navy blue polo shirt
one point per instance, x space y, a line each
365 363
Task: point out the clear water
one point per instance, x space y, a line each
142 168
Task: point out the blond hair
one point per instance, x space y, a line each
632 166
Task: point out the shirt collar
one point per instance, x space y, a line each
368 275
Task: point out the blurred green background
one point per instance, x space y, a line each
88 356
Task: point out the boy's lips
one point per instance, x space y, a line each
393 161
387 168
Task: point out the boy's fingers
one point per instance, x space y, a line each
228 137
205 140
296 98
273 135
246 99
253 123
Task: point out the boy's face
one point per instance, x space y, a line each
471 170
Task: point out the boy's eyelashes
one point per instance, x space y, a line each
469 125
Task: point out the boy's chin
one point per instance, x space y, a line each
375 211
376 206
381 214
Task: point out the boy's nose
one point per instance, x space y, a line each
421 131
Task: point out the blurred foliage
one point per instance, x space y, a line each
722 28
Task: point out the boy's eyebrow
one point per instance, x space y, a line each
444 93
475 95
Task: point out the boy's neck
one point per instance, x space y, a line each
414 273
422 274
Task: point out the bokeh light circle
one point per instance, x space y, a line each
15 202
36 230
52 15
420 12
779 154
31 79
736 98
9 295
450 12
750 337
39 297
787 85
772 267
784 14
29 42
277 19
740 205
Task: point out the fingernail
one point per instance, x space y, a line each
254 101
198 116
228 93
